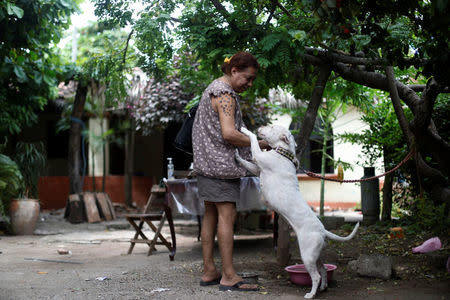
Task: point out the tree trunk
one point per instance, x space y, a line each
104 156
420 132
129 163
387 188
387 196
75 182
311 112
323 165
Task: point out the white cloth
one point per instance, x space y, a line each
183 199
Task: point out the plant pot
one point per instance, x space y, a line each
24 214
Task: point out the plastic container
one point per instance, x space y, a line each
170 168
299 274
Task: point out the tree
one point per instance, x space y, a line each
29 68
300 43
103 64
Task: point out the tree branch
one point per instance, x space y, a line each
313 106
283 9
126 48
426 104
377 81
339 56
223 11
421 88
404 125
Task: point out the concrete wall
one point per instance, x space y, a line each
54 190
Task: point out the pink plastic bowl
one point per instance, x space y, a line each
300 276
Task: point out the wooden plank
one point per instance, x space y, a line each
91 208
283 255
111 206
104 206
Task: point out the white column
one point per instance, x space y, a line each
95 148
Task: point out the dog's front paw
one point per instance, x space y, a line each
237 156
309 296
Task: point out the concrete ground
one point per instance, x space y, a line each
97 267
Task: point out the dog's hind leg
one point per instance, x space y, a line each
310 253
311 266
323 275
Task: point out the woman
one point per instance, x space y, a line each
215 137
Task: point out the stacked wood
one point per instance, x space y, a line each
90 207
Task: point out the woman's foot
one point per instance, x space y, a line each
210 278
236 283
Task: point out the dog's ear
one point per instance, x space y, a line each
291 137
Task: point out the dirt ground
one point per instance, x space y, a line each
99 250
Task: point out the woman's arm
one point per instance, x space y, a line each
225 106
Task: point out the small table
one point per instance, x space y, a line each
183 196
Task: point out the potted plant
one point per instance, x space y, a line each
24 211
10 184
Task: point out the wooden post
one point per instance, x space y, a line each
283 255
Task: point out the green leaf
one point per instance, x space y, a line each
48 79
33 55
21 76
37 77
65 3
297 34
20 59
14 10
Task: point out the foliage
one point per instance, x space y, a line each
29 69
162 102
255 112
425 217
31 160
278 37
105 60
403 197
10 183
440 116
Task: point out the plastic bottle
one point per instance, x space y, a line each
170 168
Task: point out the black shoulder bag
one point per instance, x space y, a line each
183 140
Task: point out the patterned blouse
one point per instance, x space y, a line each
213 156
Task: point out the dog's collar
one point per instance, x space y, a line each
288 155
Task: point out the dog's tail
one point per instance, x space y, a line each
335 237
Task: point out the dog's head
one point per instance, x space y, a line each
278 136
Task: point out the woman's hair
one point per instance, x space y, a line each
241 61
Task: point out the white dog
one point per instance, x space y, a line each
279 185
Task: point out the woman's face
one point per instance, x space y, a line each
241 80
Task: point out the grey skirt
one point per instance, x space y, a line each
218 190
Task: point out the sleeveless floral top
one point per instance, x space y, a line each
213 156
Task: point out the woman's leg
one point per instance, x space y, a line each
209 225
225 232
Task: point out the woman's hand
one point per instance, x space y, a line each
263 144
